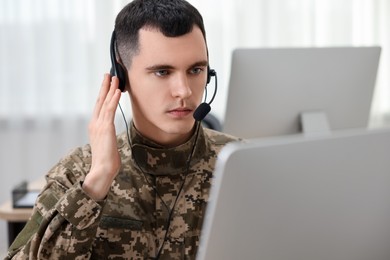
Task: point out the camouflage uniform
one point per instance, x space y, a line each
131 222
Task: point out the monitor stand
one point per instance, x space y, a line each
314 123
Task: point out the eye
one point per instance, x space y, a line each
161 73
196 70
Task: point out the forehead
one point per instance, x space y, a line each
156 48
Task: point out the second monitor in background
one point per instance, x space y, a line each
270 88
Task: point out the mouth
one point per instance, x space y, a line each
180 112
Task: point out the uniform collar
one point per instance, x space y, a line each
157 160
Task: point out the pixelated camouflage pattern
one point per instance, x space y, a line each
131 222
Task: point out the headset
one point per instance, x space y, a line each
204 108
117 69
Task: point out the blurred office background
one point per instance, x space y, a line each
54 54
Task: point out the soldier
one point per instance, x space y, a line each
141 194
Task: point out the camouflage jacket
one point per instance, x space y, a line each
131 222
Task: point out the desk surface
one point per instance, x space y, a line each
8 213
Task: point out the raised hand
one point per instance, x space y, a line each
106 160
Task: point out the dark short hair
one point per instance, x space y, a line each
171 17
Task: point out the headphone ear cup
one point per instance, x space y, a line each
121 74
210 73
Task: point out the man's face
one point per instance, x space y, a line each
167 79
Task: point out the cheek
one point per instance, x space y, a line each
149 98
142 87
198 88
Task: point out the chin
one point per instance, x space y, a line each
181 127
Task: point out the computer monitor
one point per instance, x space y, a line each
295 197
270 88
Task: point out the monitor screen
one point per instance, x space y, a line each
270 88
296 197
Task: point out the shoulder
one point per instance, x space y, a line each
83 155
78 160
73 167
78 155
218 139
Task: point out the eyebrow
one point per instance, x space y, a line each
167 66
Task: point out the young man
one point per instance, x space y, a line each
142 194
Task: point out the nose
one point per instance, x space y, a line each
181 87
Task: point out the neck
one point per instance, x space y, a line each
165 139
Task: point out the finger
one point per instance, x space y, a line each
102 95
111 102
113 86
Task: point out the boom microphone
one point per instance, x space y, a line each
204 108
